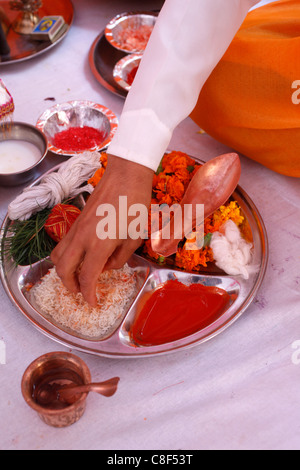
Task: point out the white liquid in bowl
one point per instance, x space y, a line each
17 155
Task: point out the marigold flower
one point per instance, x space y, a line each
169 185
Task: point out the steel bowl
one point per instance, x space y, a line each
77 114
122 69
131 21
23 132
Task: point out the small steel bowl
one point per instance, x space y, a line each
134 21
77 114
123 68
57 366
23 132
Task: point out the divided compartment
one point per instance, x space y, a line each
33 274
160 276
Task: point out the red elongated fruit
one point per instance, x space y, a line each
211 186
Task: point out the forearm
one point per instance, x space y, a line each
188 41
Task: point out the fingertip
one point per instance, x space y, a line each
87 286
92 301
89 295
70 281
90 270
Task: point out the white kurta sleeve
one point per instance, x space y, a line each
188 40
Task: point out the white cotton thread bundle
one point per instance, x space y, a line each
231 252
56 186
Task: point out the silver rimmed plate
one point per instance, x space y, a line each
130 32
125 69
77 113
103 57
118 343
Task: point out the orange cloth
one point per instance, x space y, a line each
246 102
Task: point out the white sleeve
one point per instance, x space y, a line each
188 40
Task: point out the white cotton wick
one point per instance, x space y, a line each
231 252
56 186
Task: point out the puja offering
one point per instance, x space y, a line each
105 52
47 28
125 70
28 16
60 220
27 241
78 139
17 155
116 290
32 27
58 394
56 386
78 126
161 300
64 182
22 148
174 310
130 32
212 184
56 367
131 75
181 179
43 214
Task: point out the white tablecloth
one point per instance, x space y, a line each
239 390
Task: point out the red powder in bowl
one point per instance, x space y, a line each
78 138
131 75
134 39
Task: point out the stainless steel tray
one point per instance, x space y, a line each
149 275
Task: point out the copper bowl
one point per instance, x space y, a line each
131 21
57 366
21 131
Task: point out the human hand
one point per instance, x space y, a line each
82 248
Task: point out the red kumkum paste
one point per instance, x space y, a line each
78 138
176 310
131 75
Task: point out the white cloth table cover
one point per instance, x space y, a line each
239 390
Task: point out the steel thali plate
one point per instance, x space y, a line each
117 343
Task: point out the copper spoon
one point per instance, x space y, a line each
56 392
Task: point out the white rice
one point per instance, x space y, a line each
115 291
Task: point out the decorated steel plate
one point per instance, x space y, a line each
81 116
125 70
103 57
149 275
130 32
102 60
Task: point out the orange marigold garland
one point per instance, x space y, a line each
60 220
94 180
